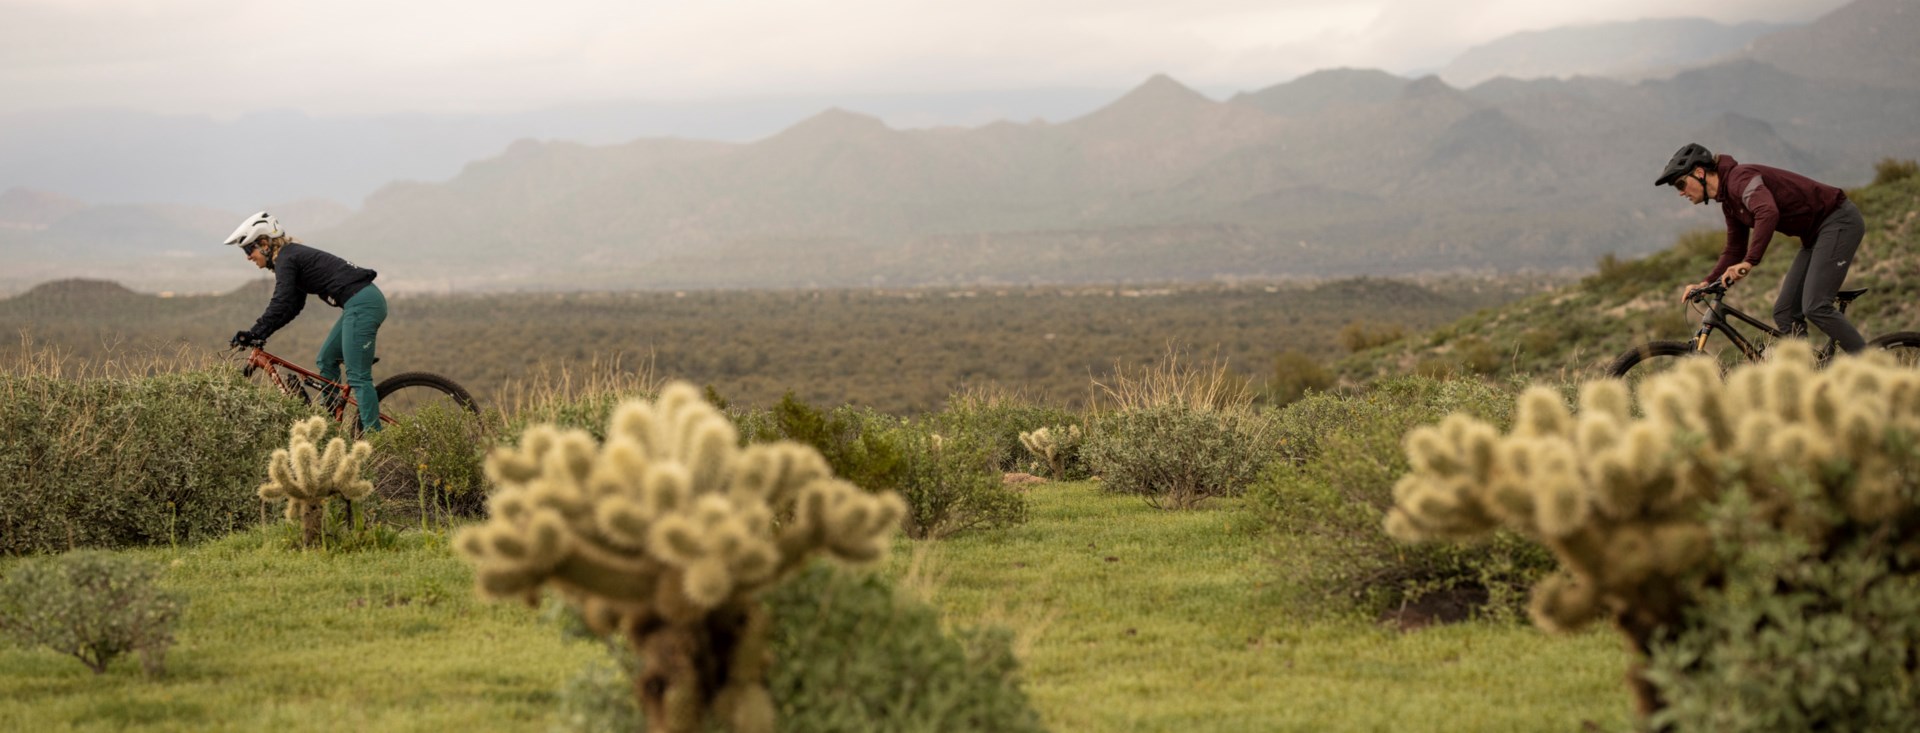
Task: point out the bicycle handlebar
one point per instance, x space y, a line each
1703 293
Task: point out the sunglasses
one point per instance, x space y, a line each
1680 184
248 248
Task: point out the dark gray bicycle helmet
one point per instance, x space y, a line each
1690 156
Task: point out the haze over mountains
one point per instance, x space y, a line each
1339 172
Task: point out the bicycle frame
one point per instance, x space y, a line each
260 359
1715 319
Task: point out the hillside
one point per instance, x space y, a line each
1617 50
1574 331
1873 42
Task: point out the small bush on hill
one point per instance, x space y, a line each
1358 336
1294 375
1176 455
1341 457
91 605
126 462
850 655
1889 170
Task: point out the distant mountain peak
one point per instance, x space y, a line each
1156 101
837 122
77 288
24 208
1160 90
1428 86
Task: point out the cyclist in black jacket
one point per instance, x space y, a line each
299 271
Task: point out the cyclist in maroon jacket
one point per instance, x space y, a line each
1758 201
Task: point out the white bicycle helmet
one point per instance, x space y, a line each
259 225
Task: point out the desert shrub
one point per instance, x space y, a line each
1478 355
945 465
1358 336
949 484
126 462
997 425
851 654
1341 457
1625 494
1889 170
91 605
1794 641
431 463
1294 375
1176 455
861 445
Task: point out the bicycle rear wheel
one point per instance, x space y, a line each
404 395
1905 347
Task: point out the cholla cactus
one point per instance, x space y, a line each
666 534
1053 446
307 478
1619 498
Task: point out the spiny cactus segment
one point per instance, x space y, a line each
1618 498
1052 445
666 533
307 477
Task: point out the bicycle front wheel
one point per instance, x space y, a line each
1905 347
1646 359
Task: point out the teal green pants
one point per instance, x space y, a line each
351 341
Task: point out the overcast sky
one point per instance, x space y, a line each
357 57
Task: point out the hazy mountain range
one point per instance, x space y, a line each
1338 172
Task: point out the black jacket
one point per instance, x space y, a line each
300 271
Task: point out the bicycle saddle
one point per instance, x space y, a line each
1847 295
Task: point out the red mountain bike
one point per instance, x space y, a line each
401 395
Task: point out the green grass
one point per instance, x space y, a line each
1134 619
1182 629
276 639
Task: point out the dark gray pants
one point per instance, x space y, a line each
1806 294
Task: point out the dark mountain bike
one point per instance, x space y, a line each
401 395
1638 362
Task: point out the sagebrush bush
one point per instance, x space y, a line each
1793 641
432 462
859 444
1340 457
850 654
1294 375
944 467
950 485
1176 455
127 462
1621 492
91 605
